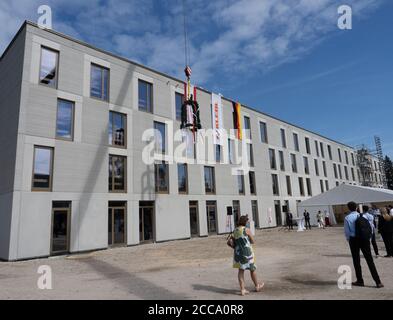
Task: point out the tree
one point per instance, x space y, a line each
389 172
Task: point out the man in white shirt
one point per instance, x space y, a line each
391 210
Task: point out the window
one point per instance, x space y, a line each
353 159
247 127
353 174
282 163
263 129
316 167
117 129
330 152
346 173
236 209
308 149
289 186
99 82
218 153
339 155
161 175
65 120
240 182
301 186
327 185
250 155
293 163
309 190
254 210
322 150
272 157
306 166
145 96
49 67
251 176
42 169
117 173
317 148
340 172
335 171
296 141
230 151
276 190
179 99
182 177
283 138
322 186
324 168
160 137
210 185
346 157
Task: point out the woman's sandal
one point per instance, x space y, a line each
259 287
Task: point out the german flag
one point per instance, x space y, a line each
237 119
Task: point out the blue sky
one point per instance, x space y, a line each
284 57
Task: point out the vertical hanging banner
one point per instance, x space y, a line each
217 124
238 119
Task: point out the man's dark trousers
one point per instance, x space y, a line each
374 243
388 240
308 225
357 245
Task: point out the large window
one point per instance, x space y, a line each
42 169
250 155
330 152
210 185
340 172
99 82
335 171
289 186
317 148
339 155
161 175
301 186
316 167
179 99
353 159
322 186
353 174
306 165
263 129
282 162
251 176
160 137
296 141
276 190
218 153
117 173
346 172
283 138
231 155
322 150
272 157
324 168
182 177
293 163
309 190
117 129
49 67
346 157
327 185
65 120
247 127
307 141
145 96
240 182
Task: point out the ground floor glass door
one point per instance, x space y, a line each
146 221
211 211
61 215
117 223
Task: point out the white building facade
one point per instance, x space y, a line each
73 179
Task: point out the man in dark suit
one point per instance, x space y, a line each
306 215
289 219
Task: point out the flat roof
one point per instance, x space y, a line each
27 22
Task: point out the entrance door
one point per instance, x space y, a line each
211 211
194 229
117 223
277 207
61 213
146 222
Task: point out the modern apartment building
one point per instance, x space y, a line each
72 178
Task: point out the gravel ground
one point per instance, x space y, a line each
292 265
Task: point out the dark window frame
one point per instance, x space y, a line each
102 98
51 166
72 120
124 116
56 85
113 190
147 110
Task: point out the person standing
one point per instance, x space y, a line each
289 220
244 257
306 215
385 228
371 218
320 220
390 210
358 233
327 219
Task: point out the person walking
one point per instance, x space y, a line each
320 220
385 228
371 218
244 257
306 215
358 233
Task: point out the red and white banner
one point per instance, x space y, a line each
217 124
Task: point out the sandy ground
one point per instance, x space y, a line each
292 265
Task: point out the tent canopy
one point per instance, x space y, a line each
345 193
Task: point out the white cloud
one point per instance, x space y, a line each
227 37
